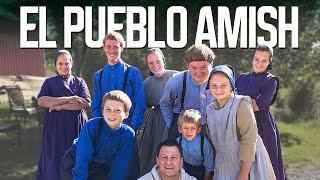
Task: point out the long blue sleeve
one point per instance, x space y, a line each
259 86
167 101
84 154
139 100
266 93
97 96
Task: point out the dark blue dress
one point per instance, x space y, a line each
262 87
60 127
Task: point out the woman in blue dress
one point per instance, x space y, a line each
262 87
64 96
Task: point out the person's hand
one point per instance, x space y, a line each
76 100
56 108
242 176
254 105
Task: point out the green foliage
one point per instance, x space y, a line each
301 100
298 102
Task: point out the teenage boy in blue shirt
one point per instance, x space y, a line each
118 75
188 89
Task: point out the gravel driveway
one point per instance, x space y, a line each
309 172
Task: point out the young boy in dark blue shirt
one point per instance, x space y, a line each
109 158
197 151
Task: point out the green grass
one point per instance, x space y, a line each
300 141
19 162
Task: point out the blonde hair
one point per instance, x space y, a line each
190 116
114 36
199 52
119 96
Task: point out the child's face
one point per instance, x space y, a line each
189 130
114 113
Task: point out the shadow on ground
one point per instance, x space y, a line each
287 139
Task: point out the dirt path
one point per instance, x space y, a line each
307 172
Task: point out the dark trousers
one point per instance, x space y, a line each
96 170
195 171
173 130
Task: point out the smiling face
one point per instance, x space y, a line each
199 71
114 113
63 65
112 49
189 130
260 61
155 63
170 162
220 86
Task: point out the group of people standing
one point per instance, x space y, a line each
202 122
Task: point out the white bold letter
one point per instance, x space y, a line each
266 26
69 28
112 10
131 27
205 16
43 43
101 26
183 27
25 26
224 23
293 27
152 30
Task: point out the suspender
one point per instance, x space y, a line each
124 84
183 89
201 145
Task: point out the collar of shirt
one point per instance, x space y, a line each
66 78
259 74
119 63
110 130
192 143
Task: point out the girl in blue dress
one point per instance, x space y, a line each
262 88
